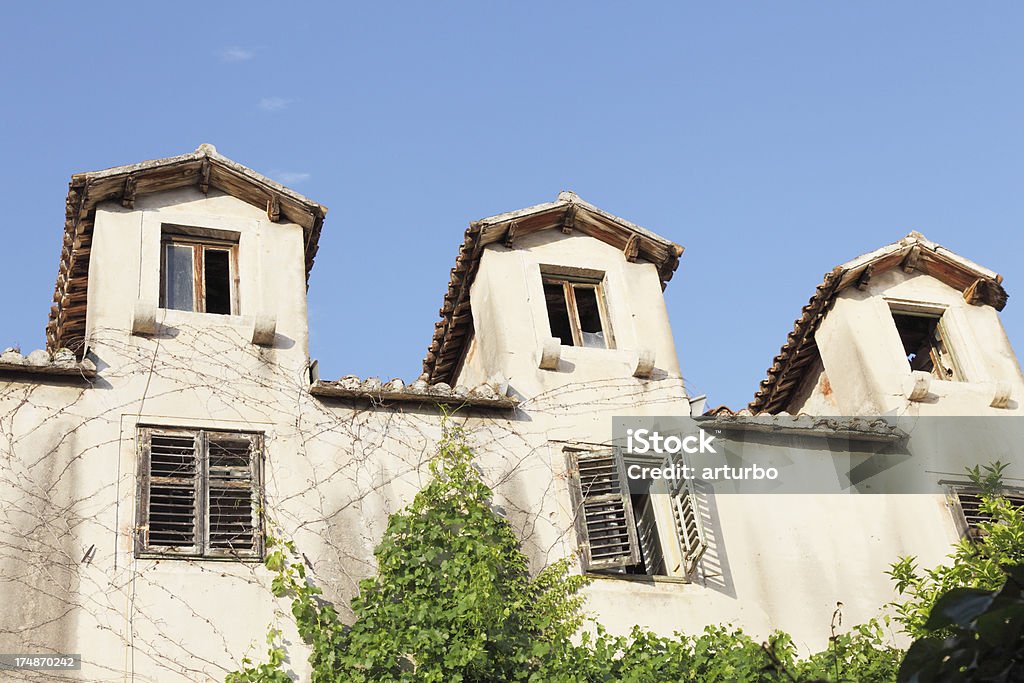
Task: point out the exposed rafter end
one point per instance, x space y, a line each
912 258
204 177
632 248
510 236
985 291
274 208
128 194
865 277
569 219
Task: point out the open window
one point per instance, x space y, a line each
651 528
198 273
199 494
577 313
925 342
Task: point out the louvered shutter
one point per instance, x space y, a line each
232 495
602 510
969 500
689 527
169 507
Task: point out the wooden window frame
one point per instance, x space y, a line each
199 245
201 517
569 283
687 526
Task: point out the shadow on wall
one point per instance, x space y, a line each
713 571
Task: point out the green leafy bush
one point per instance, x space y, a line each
975 563
453 601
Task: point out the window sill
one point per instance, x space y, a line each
178 311
247 559
172 317
639 578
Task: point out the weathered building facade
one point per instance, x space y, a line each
176 417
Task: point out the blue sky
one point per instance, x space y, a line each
773 140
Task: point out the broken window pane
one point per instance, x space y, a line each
217 280
590 316
178 278
923 344
575 312
558 312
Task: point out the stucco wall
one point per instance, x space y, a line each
335 469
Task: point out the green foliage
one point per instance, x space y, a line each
985 641
453 601
718 655
977 563
861 654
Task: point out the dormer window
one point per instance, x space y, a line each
576 309
198 273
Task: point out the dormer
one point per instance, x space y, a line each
911 328
196 241
555 294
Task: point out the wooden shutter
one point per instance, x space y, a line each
689 527
232 495
969 501
169 508
602 510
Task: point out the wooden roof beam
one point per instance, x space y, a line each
569 219
913 257
632 248
274 208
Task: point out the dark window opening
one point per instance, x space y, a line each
558 312
576 313
652 558
217 280
923 345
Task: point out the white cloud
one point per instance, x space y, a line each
274 103
290 177
236 54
